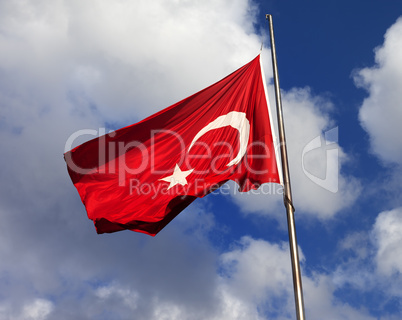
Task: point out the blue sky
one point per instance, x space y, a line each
72 65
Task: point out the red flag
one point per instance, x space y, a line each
141 176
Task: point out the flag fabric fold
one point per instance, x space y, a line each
141 176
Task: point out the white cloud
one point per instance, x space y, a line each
125 295
258 273
307 118
388 238
122 59
380 113
257 268
372 263
37 310
356 243
322 304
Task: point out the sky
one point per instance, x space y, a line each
75 65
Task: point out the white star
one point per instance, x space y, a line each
178 177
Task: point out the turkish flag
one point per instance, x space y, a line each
141 176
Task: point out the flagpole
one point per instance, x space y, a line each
297 281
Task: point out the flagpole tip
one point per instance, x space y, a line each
267 16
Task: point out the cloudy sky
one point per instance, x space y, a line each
69 65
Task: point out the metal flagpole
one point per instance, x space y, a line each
297 281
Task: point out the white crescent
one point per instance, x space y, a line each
236 120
